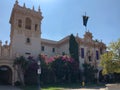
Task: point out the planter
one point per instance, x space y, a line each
112 86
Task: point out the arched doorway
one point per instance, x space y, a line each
5 75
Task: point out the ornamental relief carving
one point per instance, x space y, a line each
5 51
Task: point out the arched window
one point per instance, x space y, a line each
19 23
101 51
82 52
42 48
28 23
36 26
97 55
53 50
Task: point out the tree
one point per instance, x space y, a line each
110 61
20 64
73 48
115 48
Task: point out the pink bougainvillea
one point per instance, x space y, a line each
67 58
50 59
53 58
58 68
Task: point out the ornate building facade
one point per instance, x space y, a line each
25 40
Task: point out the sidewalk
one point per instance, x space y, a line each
87 89
94 88
90 89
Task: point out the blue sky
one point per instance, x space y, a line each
63 17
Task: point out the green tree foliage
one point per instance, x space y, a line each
89 72
20 64
109 64
115 48
73 48
110 61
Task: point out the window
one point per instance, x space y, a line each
63 53
89 58
19 23
42 48
28 40
82 52
101 51
53 49
28 23
97 55
27 53
36 27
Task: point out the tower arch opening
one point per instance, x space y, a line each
5 75
28 23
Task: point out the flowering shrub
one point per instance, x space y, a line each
53 58
55 69
62 68
31 71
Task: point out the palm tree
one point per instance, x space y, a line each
20 64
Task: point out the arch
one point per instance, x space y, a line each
5 75
28 23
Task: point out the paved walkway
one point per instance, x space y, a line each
95 88
8 88
88 89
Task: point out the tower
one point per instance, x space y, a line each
25 32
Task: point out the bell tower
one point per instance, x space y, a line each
25 32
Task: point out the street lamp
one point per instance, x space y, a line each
39 72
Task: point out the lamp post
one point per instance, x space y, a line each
39 72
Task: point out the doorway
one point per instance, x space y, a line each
5 75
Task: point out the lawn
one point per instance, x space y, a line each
52 87
35 88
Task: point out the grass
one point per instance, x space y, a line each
62 86
44 88
52 87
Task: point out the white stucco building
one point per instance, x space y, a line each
25 40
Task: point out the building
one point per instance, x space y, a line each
25 40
